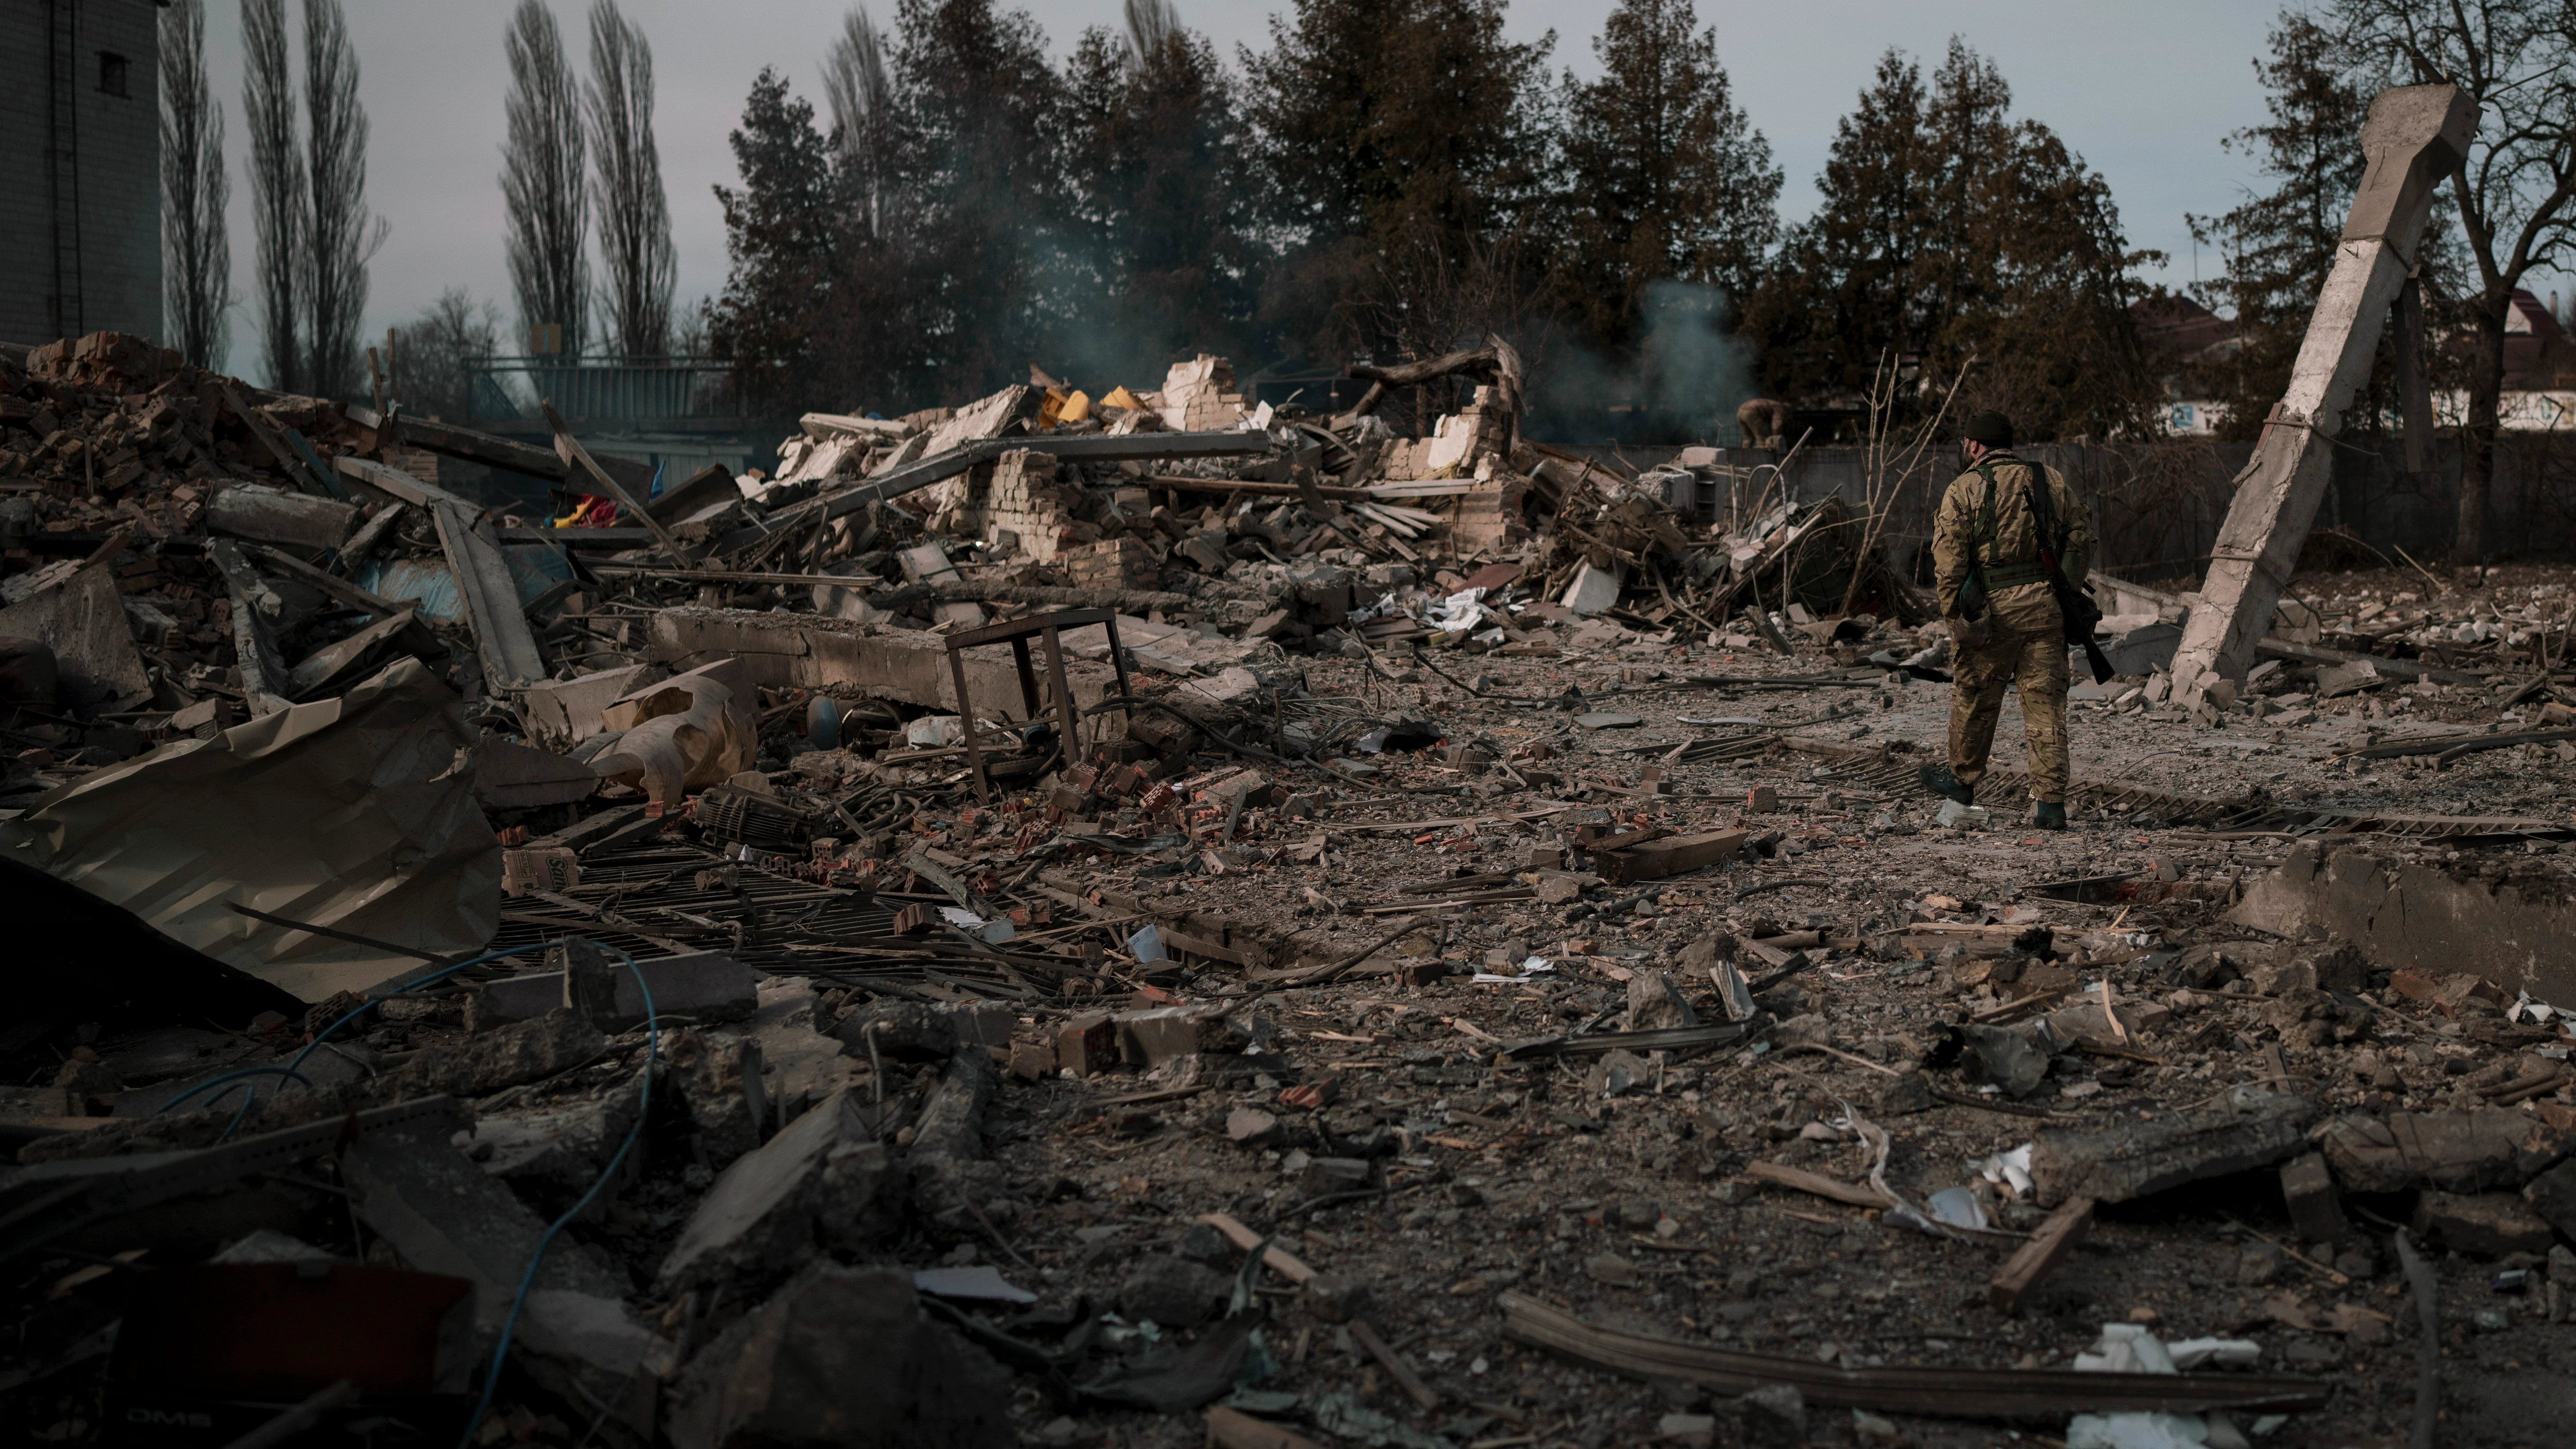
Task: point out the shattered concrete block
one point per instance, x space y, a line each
1086 1045
718 1078
273 515
1160 1034
2309 1191
554 1153
946 1163
523 1051
2246 1129
443 1214
842 1357
2453 1151
589 1349
2006 1057
706 986
822 1182
1335 1298
2553 1195
1252 1127
2488 1223
564 712
1172 1291
1591 591
1775 1417
1655 1002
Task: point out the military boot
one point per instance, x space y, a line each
1938 780
2051 815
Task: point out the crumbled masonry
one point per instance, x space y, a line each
1483 972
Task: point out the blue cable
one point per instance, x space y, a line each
528 1280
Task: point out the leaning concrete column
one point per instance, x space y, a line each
2415 137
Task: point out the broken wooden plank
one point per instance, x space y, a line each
1949 1391
501 637
334 663
396 483
1395 1366
573 453
263 673
1277 1260
266 432
449 440
2040 1256
1235 1429
1661 859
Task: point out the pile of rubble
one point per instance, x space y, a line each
1147 919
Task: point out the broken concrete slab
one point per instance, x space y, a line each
78 613
907 665
820 1183
2457 1152
2246 1129
2490 1224
946 1162
2411 914
555 1153
523 1051
444 1214
588 1349
842 1357
704 986
561 713
2552 1194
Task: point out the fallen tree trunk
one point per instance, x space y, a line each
1497 357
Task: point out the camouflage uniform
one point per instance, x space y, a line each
2025 640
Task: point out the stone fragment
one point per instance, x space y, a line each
1152 1037
554 1153
2488 1223
2309 1191
1172 1291
1252 1127
1775 1417
2453 1151
822 1182
2246 1129
1335 1298
1086 1044
2553 1195
842 1358
717 1076
589 1349
1655 1002
443 1214
2005 1057
478 1066
1611 1269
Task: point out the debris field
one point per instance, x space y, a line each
1147 921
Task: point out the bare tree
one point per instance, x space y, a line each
344 235
279 203
196 251
541 179
2517 195
634 214
441 350
860 92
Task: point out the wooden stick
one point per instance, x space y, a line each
1818 1184
1235 1429
1278 1260
2040 1256
569 448
1402 1372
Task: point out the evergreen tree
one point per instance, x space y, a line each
779 229
1667 178
979 100
1402 149
1156 224
1950 230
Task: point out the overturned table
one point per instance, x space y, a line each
1017 632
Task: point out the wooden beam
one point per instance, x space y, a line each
449 440
574 454
263 673
501 636
2040 1256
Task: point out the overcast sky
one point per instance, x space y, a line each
2143 92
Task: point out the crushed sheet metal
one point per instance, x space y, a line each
1951 1392
356 813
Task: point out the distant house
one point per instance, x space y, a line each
2179 334
2538 354
80 168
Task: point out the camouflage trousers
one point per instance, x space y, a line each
2025 648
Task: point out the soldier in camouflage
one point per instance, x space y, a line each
1986 545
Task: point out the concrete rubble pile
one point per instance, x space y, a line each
1436 942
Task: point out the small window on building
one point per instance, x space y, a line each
111 73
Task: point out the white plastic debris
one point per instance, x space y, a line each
1533 966
2009 1170
1958 1207
1146 945
2192 1353
1955 816
2523 1006
935 732
2128 1348
962 918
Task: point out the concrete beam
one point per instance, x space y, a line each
2415 136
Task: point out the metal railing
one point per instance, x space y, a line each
623 389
